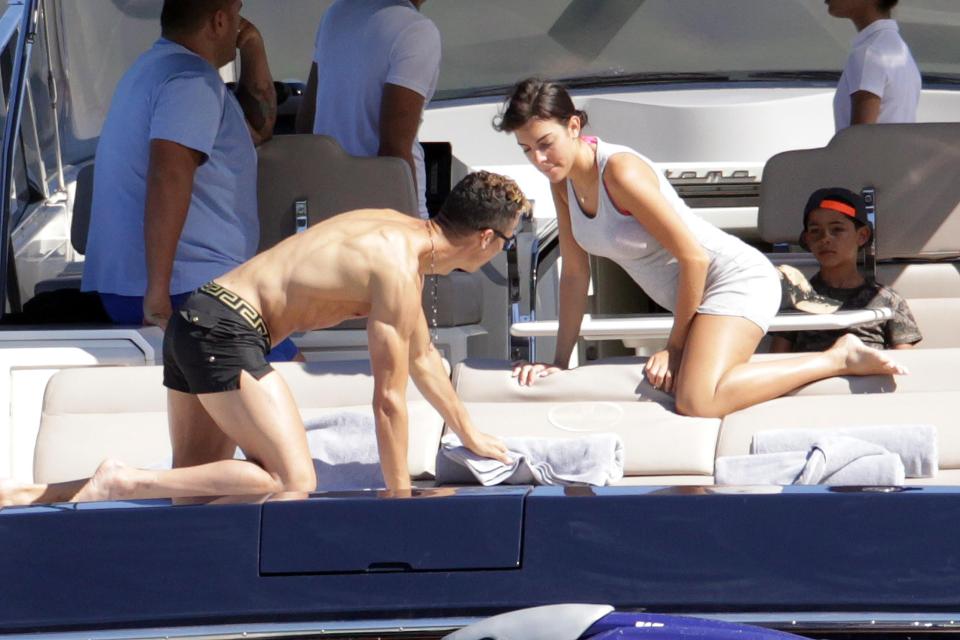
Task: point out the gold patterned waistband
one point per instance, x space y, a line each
237 304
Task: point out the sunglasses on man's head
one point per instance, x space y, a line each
509 242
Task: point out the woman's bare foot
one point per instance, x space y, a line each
112 480
858 359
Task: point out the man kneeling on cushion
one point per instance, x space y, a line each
222 393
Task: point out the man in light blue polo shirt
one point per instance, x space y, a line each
175 187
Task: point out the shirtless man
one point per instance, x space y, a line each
223 394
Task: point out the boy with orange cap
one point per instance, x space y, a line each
835 228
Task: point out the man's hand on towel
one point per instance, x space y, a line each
486 445
527 372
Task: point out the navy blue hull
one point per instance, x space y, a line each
478 552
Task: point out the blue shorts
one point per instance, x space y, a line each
129 310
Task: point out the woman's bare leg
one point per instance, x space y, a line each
261 417
12 493
716 378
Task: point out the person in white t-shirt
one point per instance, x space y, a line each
880 81
375 68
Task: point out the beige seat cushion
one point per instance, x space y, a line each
92 413
607 396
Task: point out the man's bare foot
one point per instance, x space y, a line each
14 493
8 492
112 481
858 359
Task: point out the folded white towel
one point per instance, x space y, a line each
595 459
916 444
832 460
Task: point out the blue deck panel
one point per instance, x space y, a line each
670 551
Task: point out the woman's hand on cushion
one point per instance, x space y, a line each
527 373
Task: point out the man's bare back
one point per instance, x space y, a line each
326 275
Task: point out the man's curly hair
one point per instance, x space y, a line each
483 200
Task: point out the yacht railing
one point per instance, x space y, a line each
20 20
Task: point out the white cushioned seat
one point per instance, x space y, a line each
91 413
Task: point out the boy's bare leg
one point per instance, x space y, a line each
260 416
716 378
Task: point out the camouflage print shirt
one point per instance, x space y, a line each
883 334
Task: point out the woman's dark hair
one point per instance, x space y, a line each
482 200
535 98
887 5
182 17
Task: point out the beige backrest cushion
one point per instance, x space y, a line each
932 291
92 413
614 379
915 169
931 370
316 169
606 396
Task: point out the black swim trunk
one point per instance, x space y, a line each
214 336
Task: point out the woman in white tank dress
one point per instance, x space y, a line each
611 201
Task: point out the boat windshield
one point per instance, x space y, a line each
489 45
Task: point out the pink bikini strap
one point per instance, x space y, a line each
620 210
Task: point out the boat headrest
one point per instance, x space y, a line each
913 168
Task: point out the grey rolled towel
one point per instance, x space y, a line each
916 444
832 460
595 459
768 468
841 460
343 446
